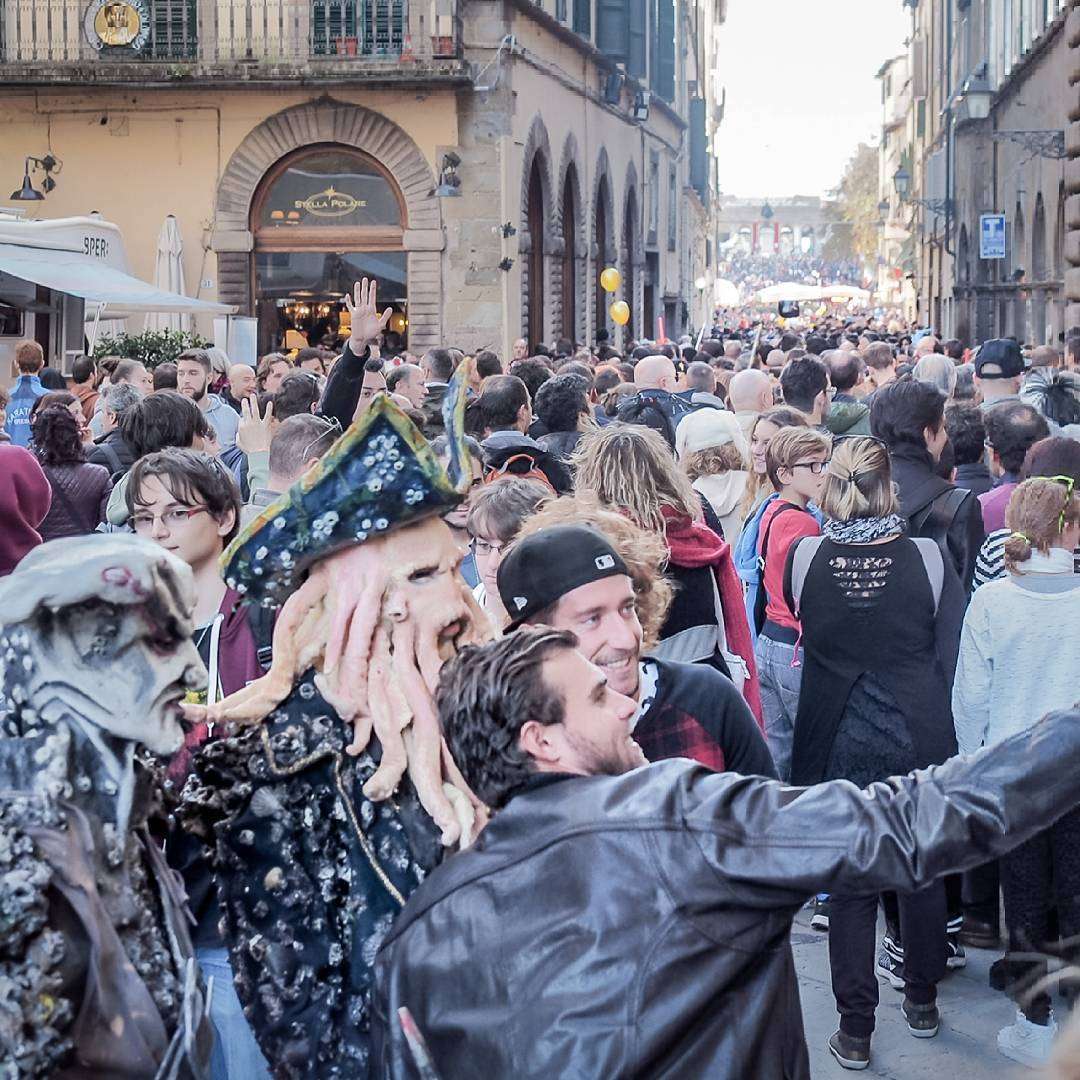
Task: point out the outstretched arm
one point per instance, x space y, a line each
903 833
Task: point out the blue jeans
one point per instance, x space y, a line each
780 685
236 1053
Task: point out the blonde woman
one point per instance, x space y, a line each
1017 663
879 615
713 453
629 468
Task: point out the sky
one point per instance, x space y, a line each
801 91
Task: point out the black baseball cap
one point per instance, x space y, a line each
1002 356
541 569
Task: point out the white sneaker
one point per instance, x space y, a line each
1028 1043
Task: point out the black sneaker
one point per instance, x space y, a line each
955 957
923 1021
852 1053
820 919
889 968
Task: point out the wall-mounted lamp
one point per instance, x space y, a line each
902 182
449 181
48 165
642 101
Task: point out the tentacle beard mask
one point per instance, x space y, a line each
338 794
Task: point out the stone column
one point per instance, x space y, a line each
1072 170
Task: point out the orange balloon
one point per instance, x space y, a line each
620 312
610 279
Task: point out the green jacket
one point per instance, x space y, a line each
848 418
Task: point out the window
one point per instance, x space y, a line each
333 188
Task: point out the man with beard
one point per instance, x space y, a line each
617 919
192 380
571 577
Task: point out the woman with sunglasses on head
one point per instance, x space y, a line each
1017 662
880 616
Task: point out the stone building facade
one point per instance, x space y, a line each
484 159
987 132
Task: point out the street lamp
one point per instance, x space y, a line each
976 94
902 182
883 210
48 165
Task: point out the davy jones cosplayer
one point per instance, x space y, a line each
335 794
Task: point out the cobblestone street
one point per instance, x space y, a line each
964 1049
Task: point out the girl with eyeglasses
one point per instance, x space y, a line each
1018 662
880 616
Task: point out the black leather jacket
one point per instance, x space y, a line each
638 926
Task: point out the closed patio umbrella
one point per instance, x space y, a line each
169 275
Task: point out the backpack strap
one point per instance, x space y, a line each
935 520
761 599
934 563
802 555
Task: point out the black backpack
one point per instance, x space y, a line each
659 410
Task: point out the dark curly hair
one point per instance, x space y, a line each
486 695
561 400
55 436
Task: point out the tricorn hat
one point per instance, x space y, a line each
381 474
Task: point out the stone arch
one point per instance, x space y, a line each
575 257
329 121
601 221
536 153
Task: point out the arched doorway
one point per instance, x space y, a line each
322 218
600 235
536 254
569 255
630 231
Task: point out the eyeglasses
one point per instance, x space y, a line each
1070 485
180 515
873 438
485 548
332 424
816 467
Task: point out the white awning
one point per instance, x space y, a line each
70 272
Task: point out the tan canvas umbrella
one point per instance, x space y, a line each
169 275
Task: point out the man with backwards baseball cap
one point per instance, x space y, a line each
999 367
570 577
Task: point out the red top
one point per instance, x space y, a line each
789 527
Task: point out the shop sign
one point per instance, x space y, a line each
330 203
991 236
117 24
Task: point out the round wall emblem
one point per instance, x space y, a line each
118 24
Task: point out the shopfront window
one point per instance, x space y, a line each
329 189
324 218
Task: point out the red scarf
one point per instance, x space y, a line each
693 545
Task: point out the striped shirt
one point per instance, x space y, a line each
990 564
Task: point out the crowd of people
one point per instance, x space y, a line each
752 272
843 554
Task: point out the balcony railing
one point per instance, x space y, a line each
212 33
